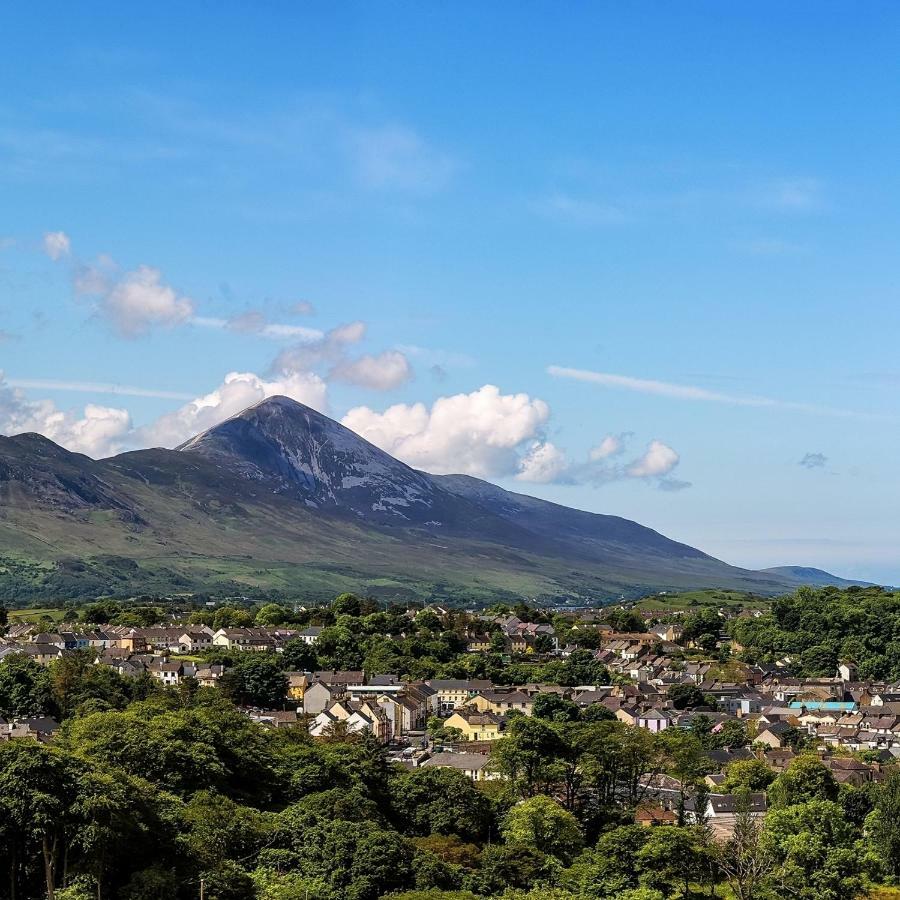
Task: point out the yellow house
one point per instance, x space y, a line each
297 685
502 702
476 726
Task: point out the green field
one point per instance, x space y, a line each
691 599
22 616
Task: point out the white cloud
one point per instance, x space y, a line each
236 392
303 308
492 435
692 392
483 433
383 372
658 460
95 387
611 445
141 300
57 244
100 430
96 431
255 323
543 463
396 157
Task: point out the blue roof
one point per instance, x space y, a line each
845 705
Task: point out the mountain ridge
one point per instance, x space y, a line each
281 497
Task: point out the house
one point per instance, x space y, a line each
774 735
654 720
476 726
209 675
650 815
170 673
453 692
342 677
319 696
502 702
244 639
310 635
355 716
478 643
194 641
472 765
297 684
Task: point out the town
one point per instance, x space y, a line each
655 670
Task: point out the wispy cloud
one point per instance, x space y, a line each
769 247
256 324
398 157
94 387
813 461
796 194
583 211
693 392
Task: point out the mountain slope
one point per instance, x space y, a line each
815 577
283 498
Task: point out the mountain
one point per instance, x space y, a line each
816 577
282 498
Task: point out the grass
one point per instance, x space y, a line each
30 616
692 599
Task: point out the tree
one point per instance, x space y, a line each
231 617
346 605
612 867
24 687
686 696
298 656
271 614
747 774
541 822
356 860
883 825
440 801
555 708
742 859
258 680
812 845
530 756
36 793
672 856
803 780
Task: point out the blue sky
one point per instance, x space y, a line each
636 258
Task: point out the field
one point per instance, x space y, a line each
22 616
692 599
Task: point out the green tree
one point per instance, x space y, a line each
36 793
812 846
748 775
257 680
555 708
271 614
24 687
298 656
672 856
883 824
440 801
540 821
803 780
530 756
686 696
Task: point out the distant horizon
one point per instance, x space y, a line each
633 260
